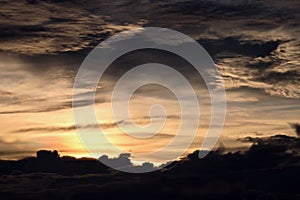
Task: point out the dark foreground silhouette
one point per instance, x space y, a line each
270 169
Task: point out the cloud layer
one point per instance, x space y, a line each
255 45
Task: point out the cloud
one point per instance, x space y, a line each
47 30
119 162
296 127
252 48
16 148
123 162
255 45
267 163
68 128
273 144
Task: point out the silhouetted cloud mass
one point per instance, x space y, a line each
257 173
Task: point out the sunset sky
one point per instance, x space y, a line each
43 43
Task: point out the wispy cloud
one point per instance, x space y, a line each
67 128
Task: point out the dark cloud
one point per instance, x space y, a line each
256 41
68 128
253 40
122 161
274 77
16 148
47 30
249 48
296 127
227 9
257 173
43 104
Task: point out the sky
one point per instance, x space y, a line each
255 45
